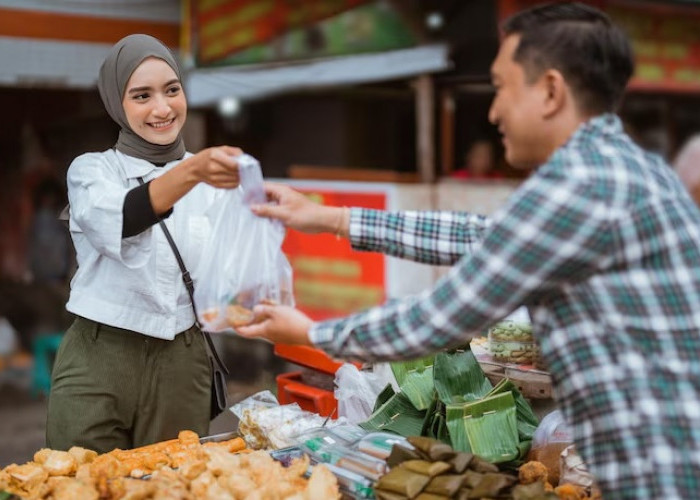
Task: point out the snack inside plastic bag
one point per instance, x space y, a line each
551 437
265 424
243 265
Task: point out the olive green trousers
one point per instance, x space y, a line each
114 388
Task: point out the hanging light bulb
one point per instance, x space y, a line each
228 107
434 21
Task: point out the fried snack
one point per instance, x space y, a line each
178 458
60 463
240 485
201 484
570 491
41 455
22 480
188 438
69 489
237 315
322 484
211 471
221 461
170 485
28 475
532 472
209 315
192 469
81 455
232 445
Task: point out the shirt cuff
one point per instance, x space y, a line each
138 213
355 226
322 334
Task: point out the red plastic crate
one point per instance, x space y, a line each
309 357
290 389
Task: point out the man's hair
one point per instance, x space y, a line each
592 53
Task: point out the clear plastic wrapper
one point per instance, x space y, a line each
379 444
286 456
323 451
348 433
513 342
351 483
573 469
264 424
551 437
243 264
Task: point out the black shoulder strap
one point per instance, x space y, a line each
189 285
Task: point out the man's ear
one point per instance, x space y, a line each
555 93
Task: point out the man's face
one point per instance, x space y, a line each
517 109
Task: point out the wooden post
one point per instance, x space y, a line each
425 128
447 131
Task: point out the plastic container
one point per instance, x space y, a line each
352 484
323 434
349 433
379 444
286 456
290 389
325 450
512 342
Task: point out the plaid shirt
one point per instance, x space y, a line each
602 243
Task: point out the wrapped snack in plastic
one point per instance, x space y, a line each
551 437
264 424
248 412
243 265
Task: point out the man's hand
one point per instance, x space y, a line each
279 324
296 211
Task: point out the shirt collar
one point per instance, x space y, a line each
135 167
600 125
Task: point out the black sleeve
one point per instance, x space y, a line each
138 212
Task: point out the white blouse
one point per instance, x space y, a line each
132 283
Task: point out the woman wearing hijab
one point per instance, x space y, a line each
132 369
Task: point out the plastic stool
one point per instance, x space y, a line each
45 347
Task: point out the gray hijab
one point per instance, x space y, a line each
123 58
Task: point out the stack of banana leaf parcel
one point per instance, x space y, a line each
447 397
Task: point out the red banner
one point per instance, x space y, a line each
666 41
331 279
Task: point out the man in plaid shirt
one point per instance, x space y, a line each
601 243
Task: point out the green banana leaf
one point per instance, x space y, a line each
459 378
487 428
396 415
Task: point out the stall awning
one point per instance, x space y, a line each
206 86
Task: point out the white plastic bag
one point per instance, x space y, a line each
551 437
356 392
243 265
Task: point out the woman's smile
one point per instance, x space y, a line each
162 125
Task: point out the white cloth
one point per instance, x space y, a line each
132 283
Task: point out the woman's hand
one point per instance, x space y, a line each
278 324
298 212
217 166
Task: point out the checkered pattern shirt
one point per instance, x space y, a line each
602 244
